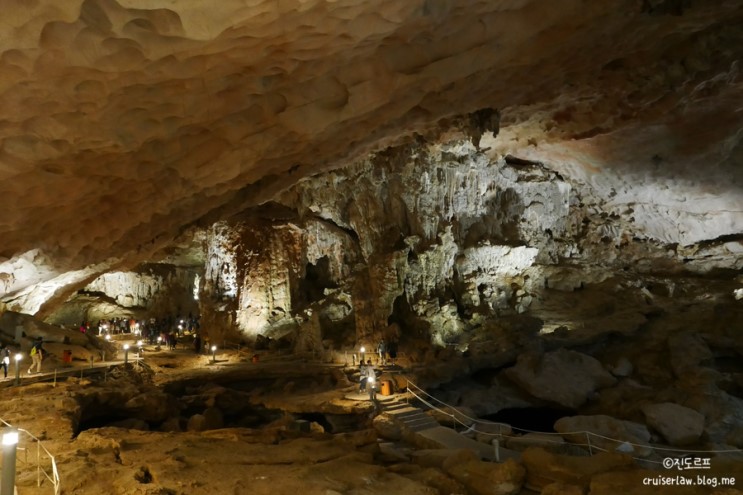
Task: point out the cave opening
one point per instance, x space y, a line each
536 419
106 417
317 418
317 278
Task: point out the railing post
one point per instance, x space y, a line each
38 463
588 440
496 446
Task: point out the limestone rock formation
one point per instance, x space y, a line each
611 433
540 202
133 121
565 377
679 425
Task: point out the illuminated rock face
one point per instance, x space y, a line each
152 290
438 240
125 121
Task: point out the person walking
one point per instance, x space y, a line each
37 355
382 351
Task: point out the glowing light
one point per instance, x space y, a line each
363 349
18 357
10 438
126 347
214 348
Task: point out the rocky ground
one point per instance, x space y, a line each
180 424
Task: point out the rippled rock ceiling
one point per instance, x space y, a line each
130 127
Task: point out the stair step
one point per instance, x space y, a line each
405 413
414 417
410 424
422 427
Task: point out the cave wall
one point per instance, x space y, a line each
435 238
151 290
266 276
439 240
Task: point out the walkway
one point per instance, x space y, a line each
430 432
48 375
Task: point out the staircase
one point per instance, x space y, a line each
410 417
429 432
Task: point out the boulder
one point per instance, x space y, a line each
487 432
487 478
437 458
687 351
544 468
552 443
453 416
197 422
564 377
387 428
616 431
679 425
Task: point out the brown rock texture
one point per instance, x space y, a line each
128 121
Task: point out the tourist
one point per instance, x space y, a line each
381 350
5 355
362 377
37 355
371 378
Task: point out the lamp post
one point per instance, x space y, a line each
140 343
126 353
214 354
361 352
10 443
18 358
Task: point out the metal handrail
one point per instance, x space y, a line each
53 477
588 434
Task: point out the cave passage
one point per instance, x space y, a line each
539 419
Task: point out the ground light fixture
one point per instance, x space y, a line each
10 444
18 358
214 354
361 353
370 383
126 353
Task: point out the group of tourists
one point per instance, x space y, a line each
37 354
385 350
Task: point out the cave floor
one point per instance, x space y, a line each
285 424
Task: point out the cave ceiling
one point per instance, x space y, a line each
126 122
